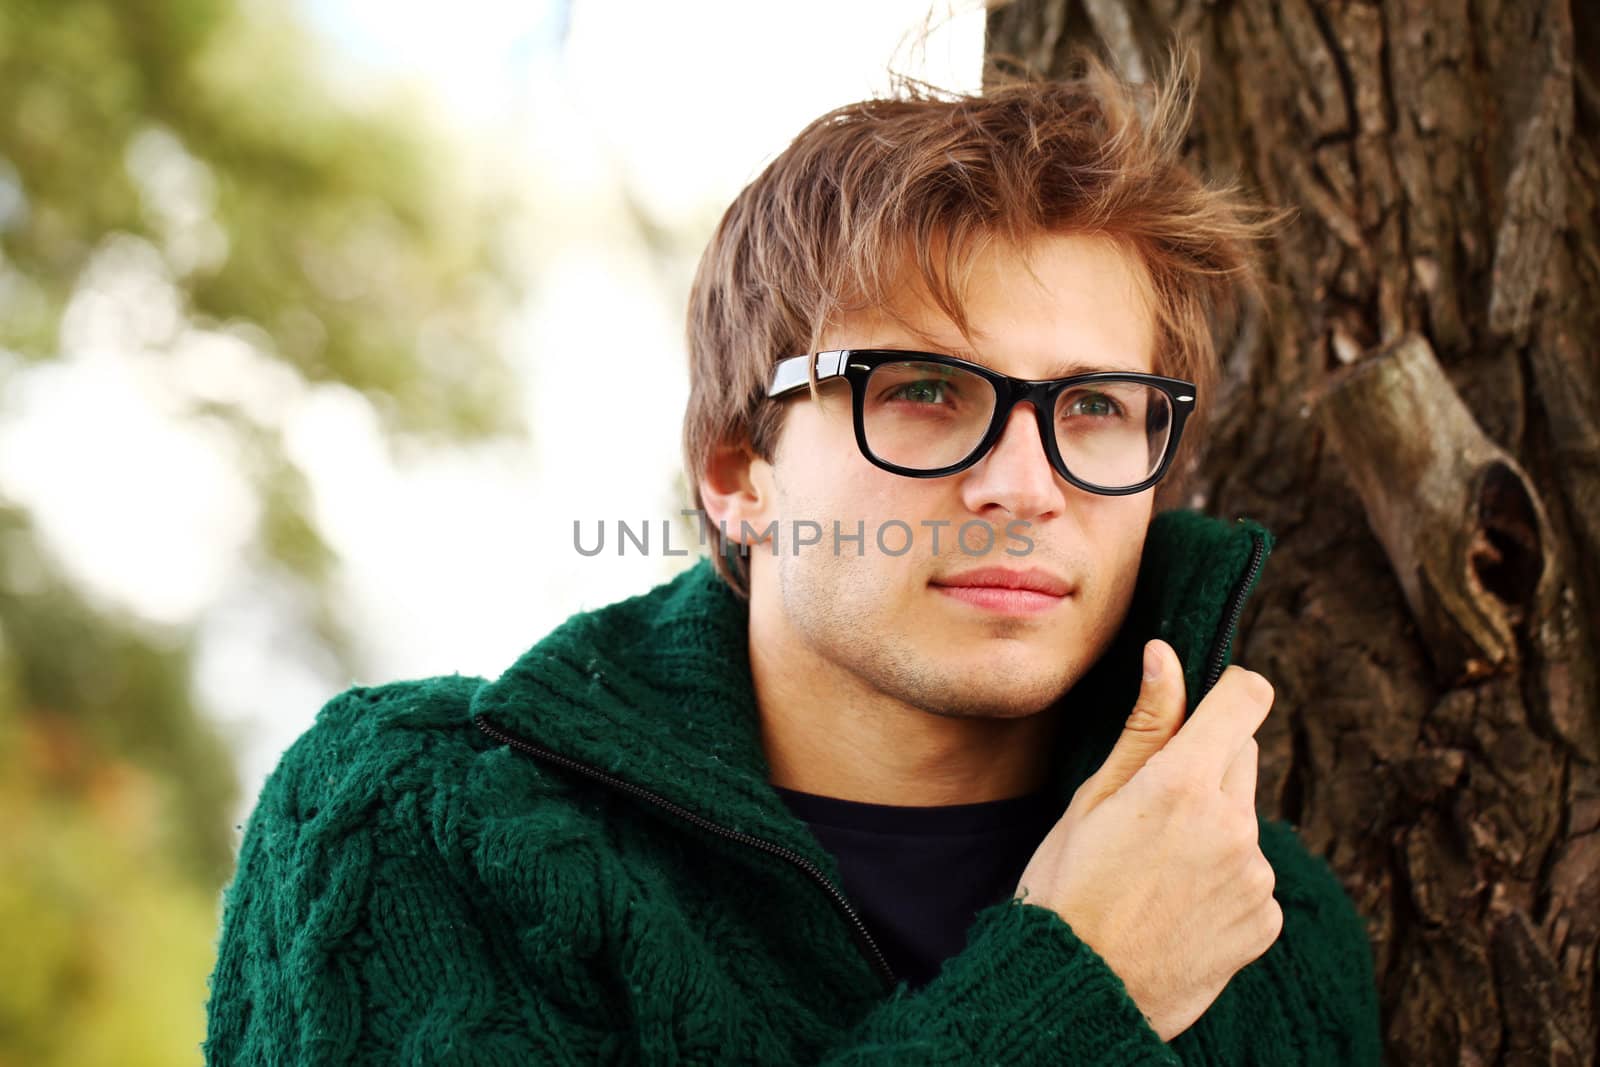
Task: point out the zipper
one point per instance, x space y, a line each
863 937
1219 651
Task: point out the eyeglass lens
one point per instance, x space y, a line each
927 416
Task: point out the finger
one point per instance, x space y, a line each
1156 717
1234 710
1239 781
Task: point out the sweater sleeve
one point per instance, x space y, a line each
344 938
1312 998
1025 990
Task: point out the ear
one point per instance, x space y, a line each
736 489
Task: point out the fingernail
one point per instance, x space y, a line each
1152 663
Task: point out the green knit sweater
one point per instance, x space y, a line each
583 862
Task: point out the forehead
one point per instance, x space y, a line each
1059 304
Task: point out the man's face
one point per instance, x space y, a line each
863 617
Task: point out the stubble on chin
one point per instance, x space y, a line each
847 620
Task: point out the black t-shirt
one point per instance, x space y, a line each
918 875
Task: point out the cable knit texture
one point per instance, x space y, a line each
413 890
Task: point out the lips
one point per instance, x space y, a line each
1033 580
1001 591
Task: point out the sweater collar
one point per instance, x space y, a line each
655 690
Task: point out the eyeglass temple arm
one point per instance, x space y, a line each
791 373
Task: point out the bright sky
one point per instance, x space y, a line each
462 561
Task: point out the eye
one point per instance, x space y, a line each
1092 405
923 391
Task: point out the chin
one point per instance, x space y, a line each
1030 656
999 687
1010 703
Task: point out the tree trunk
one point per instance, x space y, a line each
1417 416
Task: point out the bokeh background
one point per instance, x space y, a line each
320 325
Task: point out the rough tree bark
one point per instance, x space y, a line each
1417 417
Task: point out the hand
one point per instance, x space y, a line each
1156 863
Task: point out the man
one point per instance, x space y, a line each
938 758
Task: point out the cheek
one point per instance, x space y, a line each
848 489
1119 533
818 472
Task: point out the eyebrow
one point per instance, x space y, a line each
1066 369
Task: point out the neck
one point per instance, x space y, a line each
827 732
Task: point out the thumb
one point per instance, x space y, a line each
1156 716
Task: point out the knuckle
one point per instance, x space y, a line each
1143 719
1244 832
1272 920
1264 880
1177 787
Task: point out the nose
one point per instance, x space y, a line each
1016 475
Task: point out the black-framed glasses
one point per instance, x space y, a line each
928 415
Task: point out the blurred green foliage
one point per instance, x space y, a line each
336 235
113 839
344 234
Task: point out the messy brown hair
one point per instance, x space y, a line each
835 222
